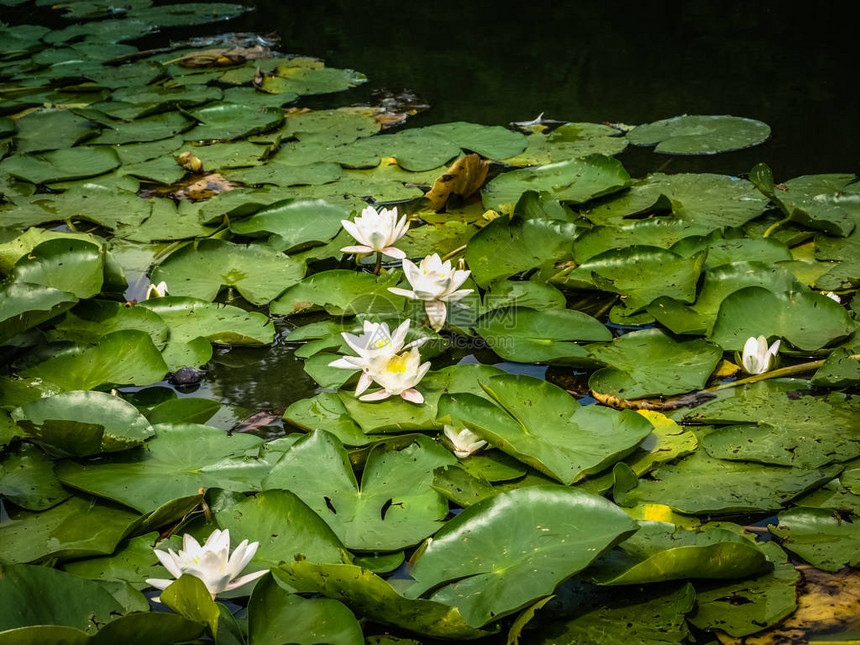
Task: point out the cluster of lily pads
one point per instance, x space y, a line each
154 204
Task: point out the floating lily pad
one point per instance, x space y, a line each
60 165
576 180
699 484
24 306
64 531
640 274
845 274
76 266
544 427
825 541
492 142
660 551
27 479
366 593
569 141
341 292
658 231
227 121
276 616
153 128
551 542
527 335
705 199
125 357
653 618
294 222
508 246
51 130
745 607
202 269
83 423
394 506
650 362
806 320
700 135
829 203
179 461
717 285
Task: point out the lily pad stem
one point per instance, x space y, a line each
378 266
774 226
450 255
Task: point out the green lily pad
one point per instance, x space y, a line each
749 606
276 616
444 238
76 528
829 203
660 551
650 363
527 335
24 306
656 619
709 200
293 223
492 142
133 562
27 479
153 128
316 79
471 563
227 121
179 461
83 423
700 484
845 251
396 415
806 320
640 274
371 596
60 165
64 599
508 246
126 357
543 426
700 135
393 508
260 518
202 269
70 265
717 285
522 293
569 141
662 232
825 541
49 129
341 292
575 180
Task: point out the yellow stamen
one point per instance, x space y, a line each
397 364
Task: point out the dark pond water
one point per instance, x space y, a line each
588 60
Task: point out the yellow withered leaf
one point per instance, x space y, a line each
464 178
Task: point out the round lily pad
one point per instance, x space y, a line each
700 135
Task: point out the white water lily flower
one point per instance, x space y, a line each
398 376
374 347
156 290
757 356
376 231
832 296
465 441
436 283
209 562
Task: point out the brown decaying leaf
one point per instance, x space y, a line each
205 188
464 178
829 603
224 57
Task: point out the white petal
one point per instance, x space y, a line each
403 292
394 252
241 582
375 396
159 583
436 313
343 364
412 395
353 230
364 382
356 249
169 562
